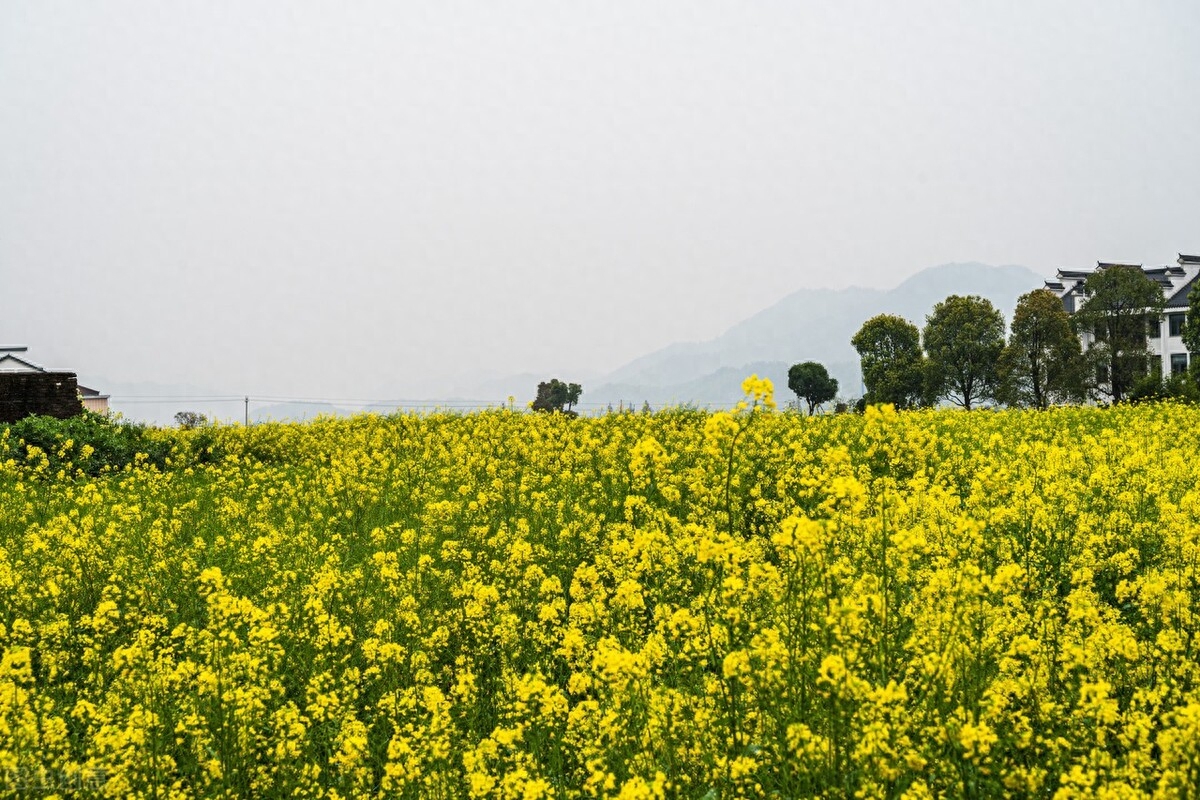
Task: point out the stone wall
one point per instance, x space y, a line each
53 394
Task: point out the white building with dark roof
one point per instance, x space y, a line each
1164 339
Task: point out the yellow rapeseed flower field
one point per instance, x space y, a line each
502 604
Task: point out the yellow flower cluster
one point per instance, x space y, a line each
681 604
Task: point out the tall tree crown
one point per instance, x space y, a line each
1119 303
963 339
1042 363
889 349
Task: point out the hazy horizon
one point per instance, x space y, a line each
382 200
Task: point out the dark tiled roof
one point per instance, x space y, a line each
1159 275
1180 298
1071 281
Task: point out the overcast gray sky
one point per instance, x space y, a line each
364 199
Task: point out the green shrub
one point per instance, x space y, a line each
90 442
1180 387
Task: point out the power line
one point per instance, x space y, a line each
171 399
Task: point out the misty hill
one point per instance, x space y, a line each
721 388
810 324
807 325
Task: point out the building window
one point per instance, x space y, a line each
1156 365
1153 327
1175 321
1178 363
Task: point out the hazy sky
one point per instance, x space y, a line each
365 199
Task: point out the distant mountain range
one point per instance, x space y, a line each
807 325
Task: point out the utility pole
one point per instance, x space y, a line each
247 411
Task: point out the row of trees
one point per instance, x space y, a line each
962 355
966 360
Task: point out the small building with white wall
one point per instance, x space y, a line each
13 359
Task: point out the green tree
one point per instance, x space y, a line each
964 337
893 366
1120 301
573 392
812 384
1191 324
552 395
1042 364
